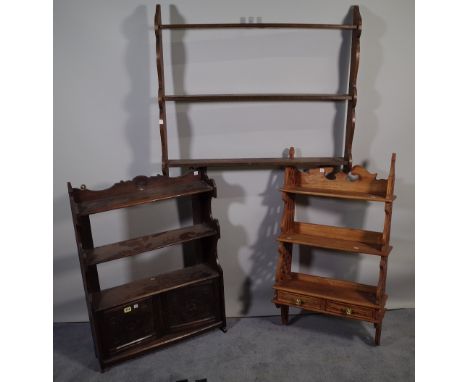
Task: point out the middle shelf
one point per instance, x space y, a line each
147 243
338 238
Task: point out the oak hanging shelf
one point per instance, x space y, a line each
307 162
323 294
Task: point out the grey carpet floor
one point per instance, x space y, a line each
312 348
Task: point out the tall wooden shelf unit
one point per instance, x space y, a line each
327 295
129 319
350 97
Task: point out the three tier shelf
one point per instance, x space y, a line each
129 319
350 97
326 295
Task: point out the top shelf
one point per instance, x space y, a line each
358 184
140 190
260 26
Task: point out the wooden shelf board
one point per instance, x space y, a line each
256 97
337 238
147 243
143 197
126 293
258 162
329 288
336 194
153 343
260 26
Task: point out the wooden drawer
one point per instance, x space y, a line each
347 310
301 301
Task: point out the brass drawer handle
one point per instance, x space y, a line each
347 311
298 301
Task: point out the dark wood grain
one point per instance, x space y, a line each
260 26
123 294
133 318
307 162
256 97
352 87
158 342
140 190
148 243
161 89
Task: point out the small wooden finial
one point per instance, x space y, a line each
291 152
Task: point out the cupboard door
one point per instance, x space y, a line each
127 325
194 305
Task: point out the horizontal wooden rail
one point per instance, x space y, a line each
256 97
308 162
260 26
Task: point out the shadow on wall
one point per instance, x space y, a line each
146 219
351 214
367 123
343 78
182 121
232 237
257 285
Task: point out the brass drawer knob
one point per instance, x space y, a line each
347 311
298 301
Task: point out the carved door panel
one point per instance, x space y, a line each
191 306
127 325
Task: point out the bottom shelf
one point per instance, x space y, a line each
330 289
307 162
126 293
149 344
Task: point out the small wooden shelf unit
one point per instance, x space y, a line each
129 319
326 295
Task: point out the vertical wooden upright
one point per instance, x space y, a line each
161 89
384 259
352 89
89 274
283 268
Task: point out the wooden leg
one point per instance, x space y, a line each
284 314
378 331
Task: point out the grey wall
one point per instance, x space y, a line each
105 126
